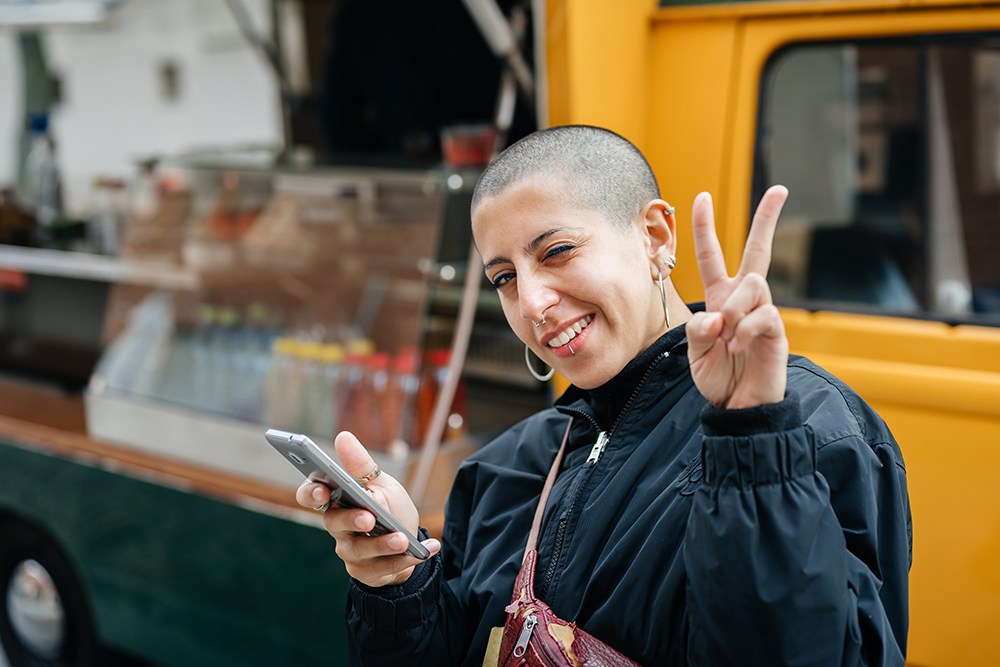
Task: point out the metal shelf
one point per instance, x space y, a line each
86 266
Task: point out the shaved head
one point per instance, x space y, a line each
597 168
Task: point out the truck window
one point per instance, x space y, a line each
891 152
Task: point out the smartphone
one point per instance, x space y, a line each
345 491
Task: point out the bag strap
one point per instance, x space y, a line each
536 523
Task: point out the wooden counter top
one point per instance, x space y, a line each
46 419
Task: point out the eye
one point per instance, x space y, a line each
558 250
501 279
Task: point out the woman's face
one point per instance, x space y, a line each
590 279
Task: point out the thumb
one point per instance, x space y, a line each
353 455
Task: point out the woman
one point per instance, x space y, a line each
718 503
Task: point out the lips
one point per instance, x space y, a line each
570 332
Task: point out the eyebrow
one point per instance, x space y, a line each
528 249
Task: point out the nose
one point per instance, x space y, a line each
534 297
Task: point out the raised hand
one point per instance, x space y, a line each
737 348
374 561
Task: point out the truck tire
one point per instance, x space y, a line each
45 620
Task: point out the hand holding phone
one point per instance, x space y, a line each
345 491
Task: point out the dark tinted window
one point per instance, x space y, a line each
891 152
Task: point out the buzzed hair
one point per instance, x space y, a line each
600 169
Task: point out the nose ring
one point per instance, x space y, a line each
539 323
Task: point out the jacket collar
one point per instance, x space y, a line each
607 401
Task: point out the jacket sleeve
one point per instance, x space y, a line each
798 543
407 624
420 622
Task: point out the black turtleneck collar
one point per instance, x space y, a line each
608 400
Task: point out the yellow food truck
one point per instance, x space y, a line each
883 119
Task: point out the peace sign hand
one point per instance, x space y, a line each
737 348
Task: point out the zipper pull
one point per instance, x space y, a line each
598 448
521 647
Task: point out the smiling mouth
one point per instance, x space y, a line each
570 332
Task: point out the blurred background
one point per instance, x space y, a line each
220 216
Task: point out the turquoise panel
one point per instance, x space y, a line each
181 578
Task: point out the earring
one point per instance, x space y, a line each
669 210
535 374
671 261
663 298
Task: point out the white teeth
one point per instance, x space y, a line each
570 332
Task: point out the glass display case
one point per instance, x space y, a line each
314 300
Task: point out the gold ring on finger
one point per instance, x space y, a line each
372 474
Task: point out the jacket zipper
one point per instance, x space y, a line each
522 641
597 449
595 454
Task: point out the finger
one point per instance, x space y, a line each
750 293
383 571
357 548
340 522
757 253
708 251
703 331
369 558
764 322
310 494
355 458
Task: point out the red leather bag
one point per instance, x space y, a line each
533 635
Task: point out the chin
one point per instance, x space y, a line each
588 380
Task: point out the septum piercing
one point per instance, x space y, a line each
539 323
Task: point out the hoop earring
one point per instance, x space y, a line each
535 374
663 299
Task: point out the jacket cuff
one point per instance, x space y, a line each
394 609
768 418
753 446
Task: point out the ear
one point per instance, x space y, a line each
660 232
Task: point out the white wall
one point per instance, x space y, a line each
114 110
10 106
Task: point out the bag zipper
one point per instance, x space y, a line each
595 454
550 657
521 647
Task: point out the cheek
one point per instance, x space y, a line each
516 323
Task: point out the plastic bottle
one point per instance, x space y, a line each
259 335
201 353
43 180
352 398
325 418
224 360
432 380
376 392
400 404
176 381
249 356
107 223
315 396
283 388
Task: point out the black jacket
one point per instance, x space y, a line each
777 535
